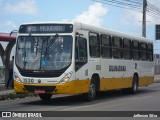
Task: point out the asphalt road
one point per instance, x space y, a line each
147 99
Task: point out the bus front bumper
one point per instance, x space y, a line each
72 87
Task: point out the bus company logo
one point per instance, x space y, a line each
113 68
6 114
39 80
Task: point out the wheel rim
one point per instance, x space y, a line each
92 90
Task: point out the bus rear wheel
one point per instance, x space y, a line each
134 87
91 95
45 97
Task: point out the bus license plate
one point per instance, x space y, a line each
39 91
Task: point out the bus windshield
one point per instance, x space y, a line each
43 52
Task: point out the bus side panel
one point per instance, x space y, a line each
112 75
145 81
115 83
73 87
115 80
131 68
81 86
146 76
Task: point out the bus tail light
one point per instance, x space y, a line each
66 78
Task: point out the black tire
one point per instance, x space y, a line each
45 97
91 95
134 88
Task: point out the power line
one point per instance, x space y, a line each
134 1
136 5
152 15
120 5
153 6
123 3
153 10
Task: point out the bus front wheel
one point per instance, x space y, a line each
45 97
90 96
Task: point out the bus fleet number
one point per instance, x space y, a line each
28 80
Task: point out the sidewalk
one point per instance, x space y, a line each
3 89
9 93
4 93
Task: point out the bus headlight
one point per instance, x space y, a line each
66 78
16 78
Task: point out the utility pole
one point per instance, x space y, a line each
144 18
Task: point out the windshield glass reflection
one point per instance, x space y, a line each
43 52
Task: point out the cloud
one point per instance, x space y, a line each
22 7
93 16
131 17
8 26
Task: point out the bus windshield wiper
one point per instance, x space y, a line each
52 41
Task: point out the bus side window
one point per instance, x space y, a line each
80 52
106 46
150 52
127 49
143 52
94 45
117 47
135 50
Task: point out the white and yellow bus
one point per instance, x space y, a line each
75 58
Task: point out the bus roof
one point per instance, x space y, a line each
97 30
113 33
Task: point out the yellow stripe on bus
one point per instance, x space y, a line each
118 83
72 87
82 86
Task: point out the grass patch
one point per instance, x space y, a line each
14 96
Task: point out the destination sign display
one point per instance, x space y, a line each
46 28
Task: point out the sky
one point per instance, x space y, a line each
15 12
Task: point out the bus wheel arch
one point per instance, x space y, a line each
93 88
